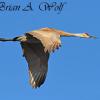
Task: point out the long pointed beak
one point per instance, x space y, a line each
94 37
90 36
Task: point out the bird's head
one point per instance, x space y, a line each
86 35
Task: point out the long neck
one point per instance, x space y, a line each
67 34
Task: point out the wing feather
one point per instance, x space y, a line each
48 37
37 61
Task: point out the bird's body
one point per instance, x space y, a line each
37 46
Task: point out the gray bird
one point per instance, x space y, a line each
37 46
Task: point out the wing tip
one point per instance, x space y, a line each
36 85
37 81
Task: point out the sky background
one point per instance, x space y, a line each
74 70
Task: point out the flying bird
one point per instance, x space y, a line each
37 46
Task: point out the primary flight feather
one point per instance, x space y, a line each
37 46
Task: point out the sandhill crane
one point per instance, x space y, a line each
37 46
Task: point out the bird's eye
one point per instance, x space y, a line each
86 34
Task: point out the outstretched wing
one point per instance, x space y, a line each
37 61
50 38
